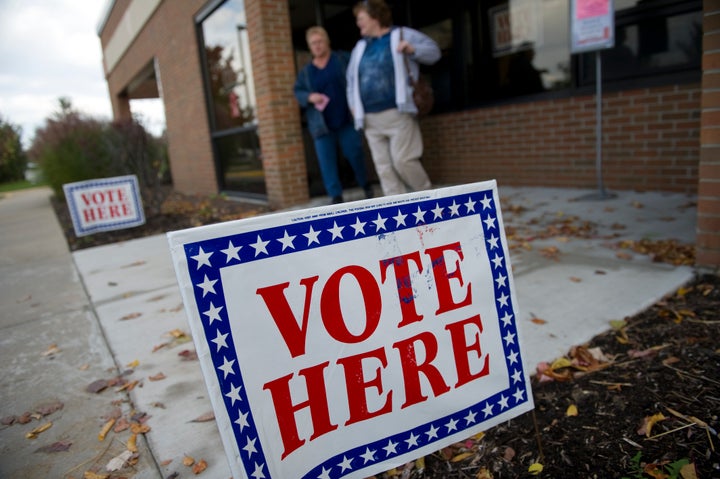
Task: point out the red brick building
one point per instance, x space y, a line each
224 70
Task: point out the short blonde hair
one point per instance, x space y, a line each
317 31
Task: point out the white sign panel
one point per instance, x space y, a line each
104 204
516 26
592 25
345 340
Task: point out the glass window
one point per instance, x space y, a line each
227 56
529 46
650 42
231 97
497 50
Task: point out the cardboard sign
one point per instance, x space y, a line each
346 340
104 204
592 25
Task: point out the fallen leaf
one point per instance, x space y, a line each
649 352
55 447
483 473
133 364
538 321
105 429
208 416
38 430
118 462
618 323
157 377
648 423
688 472
121 425
462 456
51 350
188 461
24 418
94 475
575 279
140 428
655 471
509 454
129 386
572 410
177 333
166 462
132 443
135 263
188 355
535 468
200 466
97 386
130 316
84 367
48 408
670 360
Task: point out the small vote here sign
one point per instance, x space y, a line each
345 340
104 204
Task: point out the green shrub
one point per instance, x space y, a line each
73 147
12 156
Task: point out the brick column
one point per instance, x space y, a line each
708 225
278 114
121 107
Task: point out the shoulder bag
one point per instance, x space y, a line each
423 95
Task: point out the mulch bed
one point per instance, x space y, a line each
641 401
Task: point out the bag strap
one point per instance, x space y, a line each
407 63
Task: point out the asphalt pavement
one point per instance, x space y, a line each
73 322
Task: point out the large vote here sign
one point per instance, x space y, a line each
345 340
104 204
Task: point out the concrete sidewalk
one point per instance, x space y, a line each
118 307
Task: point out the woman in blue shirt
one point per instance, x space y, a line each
380 96
320 90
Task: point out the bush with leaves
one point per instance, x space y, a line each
12 156
74 147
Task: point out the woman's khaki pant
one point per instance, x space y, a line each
396 145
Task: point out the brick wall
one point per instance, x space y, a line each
170 36
651 142
708 226
278 115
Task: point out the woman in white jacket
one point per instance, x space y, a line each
380 96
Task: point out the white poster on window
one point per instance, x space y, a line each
592 25
343 341
516 25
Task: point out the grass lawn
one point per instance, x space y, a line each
17 185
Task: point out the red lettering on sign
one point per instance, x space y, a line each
331 312
442 277
404 284
276 302
285 409
411 369
461 350
357 385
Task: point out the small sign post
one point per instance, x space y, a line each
104 204
345 340
592 28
